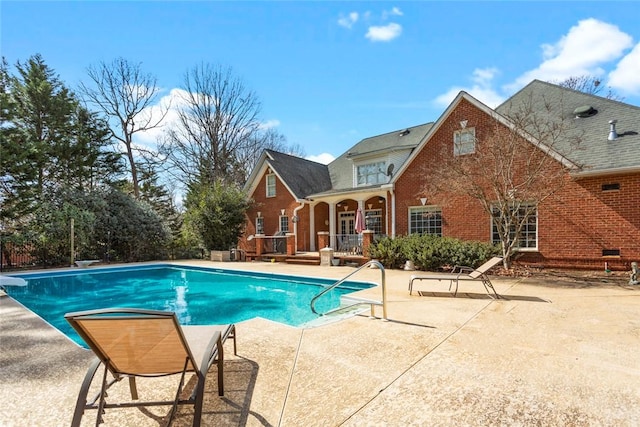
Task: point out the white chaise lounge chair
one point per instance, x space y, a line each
134 343
459 273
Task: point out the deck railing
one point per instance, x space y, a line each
348 244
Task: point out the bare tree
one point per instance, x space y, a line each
267 139
217 119
514 167
123 92
589 84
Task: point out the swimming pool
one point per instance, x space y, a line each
198 296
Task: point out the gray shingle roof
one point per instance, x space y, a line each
341 169
594 153
302 176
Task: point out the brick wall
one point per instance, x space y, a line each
583 220
270 208
463 217
574 226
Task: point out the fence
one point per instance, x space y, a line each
32 254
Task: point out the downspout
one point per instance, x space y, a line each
295 224
393 213
390 188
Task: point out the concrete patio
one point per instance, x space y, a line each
555 351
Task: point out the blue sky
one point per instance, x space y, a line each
331 73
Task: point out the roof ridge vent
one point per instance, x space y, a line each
613 135
584 112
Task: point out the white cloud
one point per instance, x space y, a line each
349 20
269 124
395 11
626 76
582 51
170 103
324 158
481 89
586 50
384 33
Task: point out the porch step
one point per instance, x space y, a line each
303 261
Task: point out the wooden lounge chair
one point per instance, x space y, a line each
147 343
459 273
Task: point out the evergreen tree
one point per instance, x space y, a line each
49 141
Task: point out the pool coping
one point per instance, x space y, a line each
547 354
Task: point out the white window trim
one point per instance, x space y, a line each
280 223
378 214
259 219
519 249
457 146
267 186
433 208
381 170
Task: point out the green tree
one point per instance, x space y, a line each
40 119
216 214
49 141
52 226
89 161
125 229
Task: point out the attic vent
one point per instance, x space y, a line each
611 252
611 187
613 135
405 132
584 111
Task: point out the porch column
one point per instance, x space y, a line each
323 239
258 239
291 244
332 225
393 215
367 238
312 227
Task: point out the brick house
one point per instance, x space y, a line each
592 218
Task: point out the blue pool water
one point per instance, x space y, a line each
199 296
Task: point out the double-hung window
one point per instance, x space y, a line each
284 224
271 185
373 220
260 225
525 216
371 173
425 220
464 141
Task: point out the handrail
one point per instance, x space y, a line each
339 282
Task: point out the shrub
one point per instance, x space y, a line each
216 214
388 251
430 253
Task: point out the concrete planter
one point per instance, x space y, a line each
222 256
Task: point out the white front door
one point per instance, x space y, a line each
346 222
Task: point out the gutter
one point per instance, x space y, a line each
606 172
390 188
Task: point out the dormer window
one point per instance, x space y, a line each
371 173
271 185
464 141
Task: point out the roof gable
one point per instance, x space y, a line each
341 169
301 176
